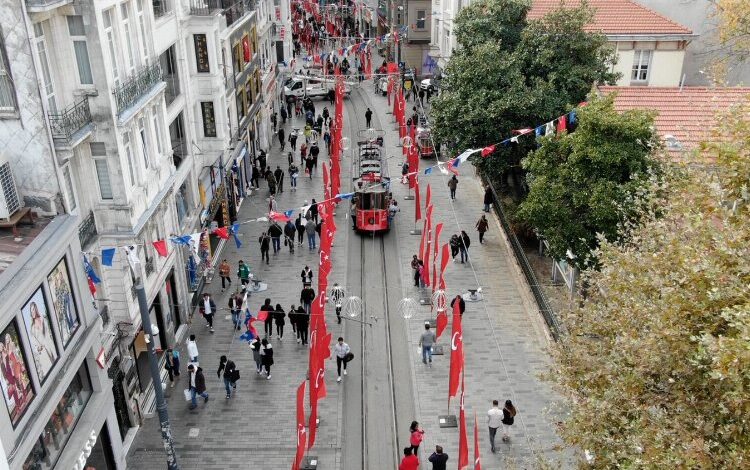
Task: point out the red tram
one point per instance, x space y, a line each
372 192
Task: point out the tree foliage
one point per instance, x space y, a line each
657 362
733 28
581 184
500 80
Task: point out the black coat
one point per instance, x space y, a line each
275 231
307 296
200 381
264 241
228 369
488 196
461 304
266 357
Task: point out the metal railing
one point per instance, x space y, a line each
235 11
179 151
204 7
536 289
87 230
172 90
72 119
132 89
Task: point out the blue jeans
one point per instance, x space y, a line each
486 207
228 386
276 244
311 240
236 318
307 306
426 353
193 394
464 254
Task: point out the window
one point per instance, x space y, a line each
209 119
48 88
641 63
201 53
62 423
69 188
239 63
7 91
130 55
112 46
142 27
157 130
421 15
240 105
249 95
78 36
102 175
143 132
161 8
129 155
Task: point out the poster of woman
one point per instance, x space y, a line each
14 375
62 301
41 339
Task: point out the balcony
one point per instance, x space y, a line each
71 124
38 6
237 10
135 87
205 7
87 230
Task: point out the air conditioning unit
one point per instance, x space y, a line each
10 203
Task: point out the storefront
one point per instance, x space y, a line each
100 456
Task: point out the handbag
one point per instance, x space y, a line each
188 396
348 357
235 375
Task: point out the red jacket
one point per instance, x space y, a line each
416 437
410 462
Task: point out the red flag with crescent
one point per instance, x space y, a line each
477 459
463 441
301 435
428 196
444 259
426 253
433 255
413 160
457 353
417 208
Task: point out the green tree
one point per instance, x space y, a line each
581 184
657 363
497 83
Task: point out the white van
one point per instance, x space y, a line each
301 86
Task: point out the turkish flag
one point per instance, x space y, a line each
433 255
428 196
477 460
417 208
301 436
444 259
457 353
426 253
319 352
161 245
413 161
220 232
326 189
246 49
463 441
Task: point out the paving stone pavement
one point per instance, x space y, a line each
504 340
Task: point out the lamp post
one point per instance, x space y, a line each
161 404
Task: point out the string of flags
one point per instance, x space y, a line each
360 46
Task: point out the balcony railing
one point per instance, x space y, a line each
237 10
72 119
205 7
173 87
179 151
136 86
87 230
232 10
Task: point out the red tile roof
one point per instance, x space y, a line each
613 17
688 114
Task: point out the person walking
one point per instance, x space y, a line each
289 232
314 152
266 355
274 121
293 141
282 138
275 231
463 245
310 231
306 275
415 437
368 117
265 245
421 97
482 226
279 175
438 459
278 318
255 177
488 198
461 304
509 414
410 461
309 165
197 386
452 185
405 172
172 364
292 314
426 341
337 297
262 158
327 140
300 226
243 273
208 309
228 367
454 242
284 114
302 319
393 209
293 175
494 421
192 349
235 307
419 273
255 348
342 351
268 322
224 273
306 296
314 210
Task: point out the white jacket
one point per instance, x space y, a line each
192 349
341 350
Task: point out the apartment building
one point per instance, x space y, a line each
123 122
650 47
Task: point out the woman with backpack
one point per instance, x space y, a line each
266 354
230 382
509 413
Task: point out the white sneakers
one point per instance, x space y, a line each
269 377
339 379
344 371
